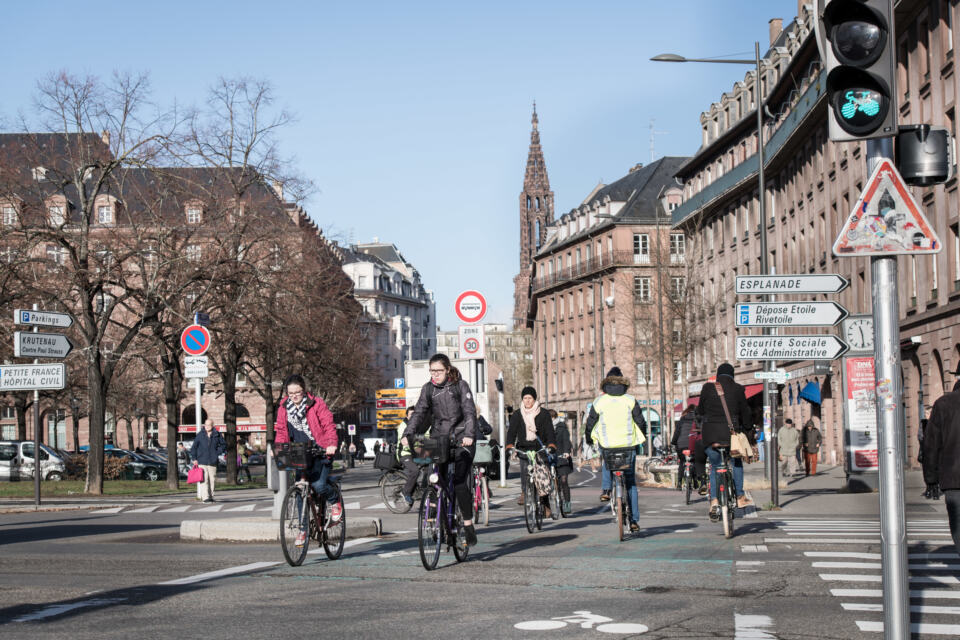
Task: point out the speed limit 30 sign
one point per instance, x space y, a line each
472 341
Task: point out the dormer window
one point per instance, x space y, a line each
55 215
104 214
194 215
39 174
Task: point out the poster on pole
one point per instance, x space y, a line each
860 414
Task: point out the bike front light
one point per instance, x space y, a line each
433 478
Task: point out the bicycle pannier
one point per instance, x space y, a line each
483 454
386 458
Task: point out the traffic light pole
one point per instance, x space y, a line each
886 337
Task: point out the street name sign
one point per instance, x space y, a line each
27 344
42 318
797 283
886 221
779 374
813 347
789 314
195 367
28 377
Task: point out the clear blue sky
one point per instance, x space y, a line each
413 118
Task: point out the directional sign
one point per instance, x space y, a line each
789 314
27 377
195 367
470 306
886 221
815 347
388 424
779 374
391 403
391 393
391 414
40 345
42 318
798 283
195 340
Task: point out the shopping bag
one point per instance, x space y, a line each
195 475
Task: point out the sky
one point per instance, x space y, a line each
413 118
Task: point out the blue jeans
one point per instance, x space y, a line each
606 478
629 482
735 464
317 475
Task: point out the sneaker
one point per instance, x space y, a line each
301 538
702 490
336 512
407 499
567 506
471 535
715 513
520 499
634 527
604 496
209 500
743 502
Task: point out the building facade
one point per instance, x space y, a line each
811 185
510 350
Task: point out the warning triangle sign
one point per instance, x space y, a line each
886 221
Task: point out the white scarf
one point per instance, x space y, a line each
528 416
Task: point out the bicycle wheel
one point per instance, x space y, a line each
485 502
334 533
538 512
724 487
460 548
688 484
530 502
391 490
618 509
555 505
564 512
290 518
429 530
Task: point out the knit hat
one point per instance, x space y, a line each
528 391
615 371
726 369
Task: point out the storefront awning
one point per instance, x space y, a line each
811 392
753 389
692 401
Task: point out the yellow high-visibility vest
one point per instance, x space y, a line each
616 428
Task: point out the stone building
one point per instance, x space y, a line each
811 184
601 274
510 350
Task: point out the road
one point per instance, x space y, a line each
801 573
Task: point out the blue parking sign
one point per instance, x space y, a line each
744 314
398 383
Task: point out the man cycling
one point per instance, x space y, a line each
621 426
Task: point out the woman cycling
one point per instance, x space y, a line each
565 462
305 418
447 397
528 424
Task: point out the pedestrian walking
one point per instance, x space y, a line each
243 459
941 456
788 440
761 444
206 450
183 459
361 451
376 448
810 444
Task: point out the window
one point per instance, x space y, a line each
193 252
101 303
946 25
678 285
105 214
641 248
678 248
641 288
643 372
677 371
8 413
9 216
194 215
677 331
362 282
105 256
55 216
57 255
39 174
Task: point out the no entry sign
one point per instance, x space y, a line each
195 340
470 306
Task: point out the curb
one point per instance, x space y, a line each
262 529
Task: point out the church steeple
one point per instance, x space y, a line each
536 212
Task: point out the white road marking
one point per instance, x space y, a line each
144 509
753 627
863 541
593 477
110 510
351 505
377 506
243 507
179 509
213 509
847 565
210 575
915 627
922 594
57 609
753 548
346 544
916 608
871 578
540 625
265 509
750 563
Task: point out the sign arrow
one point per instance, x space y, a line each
27 344
42 318
790 314
797 283
811 347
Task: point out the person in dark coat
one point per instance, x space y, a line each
716 431
207 448
565 459
941 456
528 424
681 435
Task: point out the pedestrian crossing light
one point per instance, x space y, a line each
856 39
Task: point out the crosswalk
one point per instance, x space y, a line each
844 556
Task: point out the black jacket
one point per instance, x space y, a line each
563 439
452 410
941 443
206 450
681 433
710 411
614 386
517 433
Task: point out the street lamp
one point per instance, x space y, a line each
769 400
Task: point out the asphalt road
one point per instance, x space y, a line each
806 572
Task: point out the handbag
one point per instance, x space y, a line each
739 444
195 475
386 458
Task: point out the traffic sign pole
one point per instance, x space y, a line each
36 435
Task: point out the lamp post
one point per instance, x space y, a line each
769 399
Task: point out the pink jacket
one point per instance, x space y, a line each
319 419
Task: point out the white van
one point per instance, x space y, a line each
17 463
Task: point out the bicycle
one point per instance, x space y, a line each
440 520
481 495
618 461
688 480
391 490
726 491
317 518
532 505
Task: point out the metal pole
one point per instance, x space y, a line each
663 382
769 399
503 437
37 470
886 331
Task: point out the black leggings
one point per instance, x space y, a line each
564 486
462 477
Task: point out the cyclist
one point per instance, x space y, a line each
405 456
303 417
681 436
448 399
527 424
565 462
621 425
716 433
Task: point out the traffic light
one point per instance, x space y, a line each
858 46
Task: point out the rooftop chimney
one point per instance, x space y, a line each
776 26
105 136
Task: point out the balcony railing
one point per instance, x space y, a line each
586 268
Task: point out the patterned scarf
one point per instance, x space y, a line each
528 419
297 415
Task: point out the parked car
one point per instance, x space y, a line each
138 466
256 459
17 461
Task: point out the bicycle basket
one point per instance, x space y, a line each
484 453
386 458
294 455
433 450
617 459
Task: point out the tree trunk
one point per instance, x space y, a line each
130 446
171 400
270 409
229 381
97 415
21 405
76 434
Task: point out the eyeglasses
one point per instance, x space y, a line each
436 372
